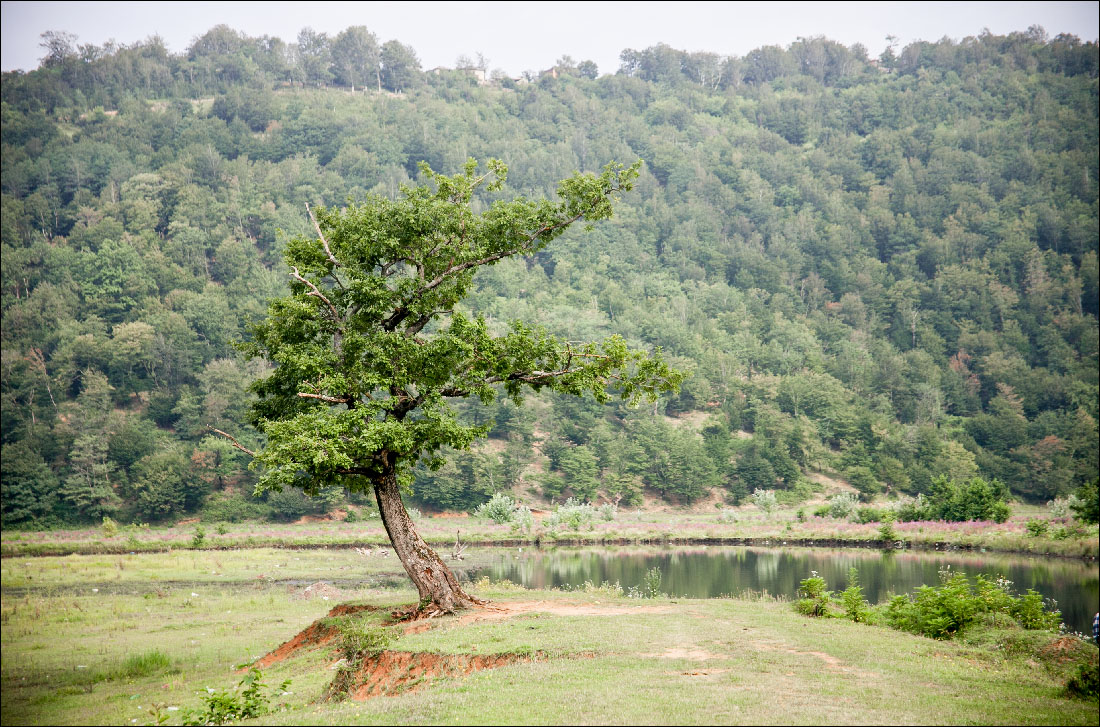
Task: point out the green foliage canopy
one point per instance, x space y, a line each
370 346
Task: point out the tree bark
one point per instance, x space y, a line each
439 589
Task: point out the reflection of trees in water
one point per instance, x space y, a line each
710 572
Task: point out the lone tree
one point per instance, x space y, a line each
369 349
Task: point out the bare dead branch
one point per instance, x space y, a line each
328 251
329 399
316 293
233 439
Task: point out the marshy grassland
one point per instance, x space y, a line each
130 639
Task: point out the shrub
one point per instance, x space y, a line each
765 500
1030 611
911 509
974 499
607 511
855 606
228 706
886 531
943 611
814 599
1085 681
109 527
198 537
500 508
868 515
651 583
234 507
1063 507
842 505
1088 502
523 521
938 612
360 639
572 515
1037 528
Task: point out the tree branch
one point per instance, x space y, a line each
329 399
232 439
328 251
317 293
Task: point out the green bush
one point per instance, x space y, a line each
868 514
571 515
359 638
1037 528
765 500
975 499
234 508
814 599
855 606
500 509
842 505
1031 612
1085 681
943 611
248 700
1087 506
886 531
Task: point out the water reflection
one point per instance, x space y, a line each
710 572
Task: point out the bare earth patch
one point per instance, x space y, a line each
831 662
316 634
689 654
501 611
396 672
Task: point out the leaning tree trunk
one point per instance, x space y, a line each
439 589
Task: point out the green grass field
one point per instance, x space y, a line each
138 649
666 525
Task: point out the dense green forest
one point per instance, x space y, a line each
885 268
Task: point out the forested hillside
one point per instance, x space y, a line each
884 268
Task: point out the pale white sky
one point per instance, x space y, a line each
518 36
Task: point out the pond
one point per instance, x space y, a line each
710 572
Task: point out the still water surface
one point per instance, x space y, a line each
710 572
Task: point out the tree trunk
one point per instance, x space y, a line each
439 589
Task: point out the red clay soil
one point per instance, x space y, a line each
395 672
1064 649
316 634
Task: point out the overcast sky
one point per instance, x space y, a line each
533 35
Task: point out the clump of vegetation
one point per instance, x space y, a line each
198 537
1087 506
1037 528
500 508
856 607
109 527
359 638
523 521
954 501
842 505
765 500
886 531
939 612
942 611
815 599
572 515
249 699
1085 680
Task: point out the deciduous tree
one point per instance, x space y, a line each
370 346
